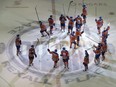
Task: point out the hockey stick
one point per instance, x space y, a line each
92 39
64 10
37 13
75 10
84 27
69 7
90 48
95 10
37 42
83 2
48 42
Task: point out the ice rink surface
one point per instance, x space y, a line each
19 17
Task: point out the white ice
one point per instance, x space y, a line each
14 71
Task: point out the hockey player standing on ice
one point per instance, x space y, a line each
31 55
84 13
55 57
97 52
62 20
78 34
86 60
51 23
65 57
43 29
72 40
18 44
99 24
103 50
105 34
78 23
70 24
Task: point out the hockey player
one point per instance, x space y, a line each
31 55
43 29
72 40
97 52
65 57
99 24
84 13
78 23
103 50
105 34
51 23
78 34
62 20
70 24
55 57
86 60
18 44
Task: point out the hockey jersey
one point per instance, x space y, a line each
72 38
64 54
43 27
18 42
84 11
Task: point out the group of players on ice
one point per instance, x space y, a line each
80 20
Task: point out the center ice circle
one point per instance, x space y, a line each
43 63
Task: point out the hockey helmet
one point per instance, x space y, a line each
78 16
71 17
18 35
63 48
40 22
51 16
100 18
32 45
55 50
99 44
78 26
86 53
73 32
84 6
61 15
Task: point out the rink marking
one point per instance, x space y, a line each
79 79
9 85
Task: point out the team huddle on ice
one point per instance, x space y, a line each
79 21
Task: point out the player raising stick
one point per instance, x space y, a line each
99 24
78 23
55 57
70 24
84 13
105 34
